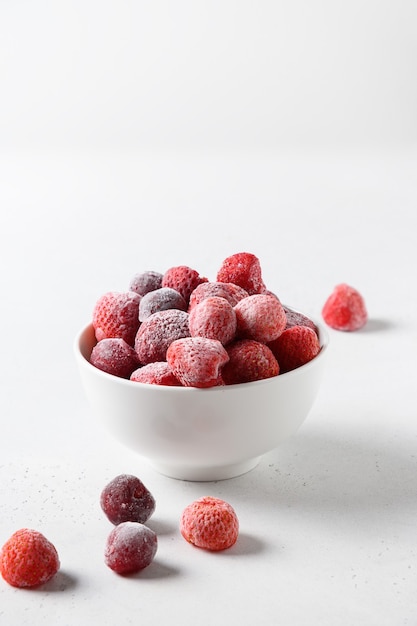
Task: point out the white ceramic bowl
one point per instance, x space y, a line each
201 434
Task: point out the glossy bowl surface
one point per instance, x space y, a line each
201 434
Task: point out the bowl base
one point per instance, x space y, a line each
205 473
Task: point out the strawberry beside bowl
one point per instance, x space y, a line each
201 434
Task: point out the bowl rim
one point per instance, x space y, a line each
82 359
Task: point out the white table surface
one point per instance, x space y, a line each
329 520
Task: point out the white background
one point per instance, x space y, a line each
221 74
141 135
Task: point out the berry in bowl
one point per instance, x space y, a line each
201 378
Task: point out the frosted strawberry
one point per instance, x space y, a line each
210 523
117 315
249 360
213 318
345 309
232 293
260 317
197 361
243 269
157 373
183 279
296 346
28 559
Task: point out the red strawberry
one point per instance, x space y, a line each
183 279
197 361
213 318
210 523
243 269
117 315
249 360
345 309
260 317
28 559
232 293
296 346
156 373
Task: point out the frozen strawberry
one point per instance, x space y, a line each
260 317
296 346
114 356
28 559
345 309
210 523
243 269
160 300
249 360
145 282
213 318
232 293
130 547
197 361
157 373
126 499
294 318
183 279
157 332
117 315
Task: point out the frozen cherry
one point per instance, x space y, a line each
130 547
145 282
160 300
126 499
114 356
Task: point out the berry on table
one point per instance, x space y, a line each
345 309
210 523
28 559
126 499
130 547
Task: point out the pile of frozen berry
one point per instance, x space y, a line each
28 559
180 329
